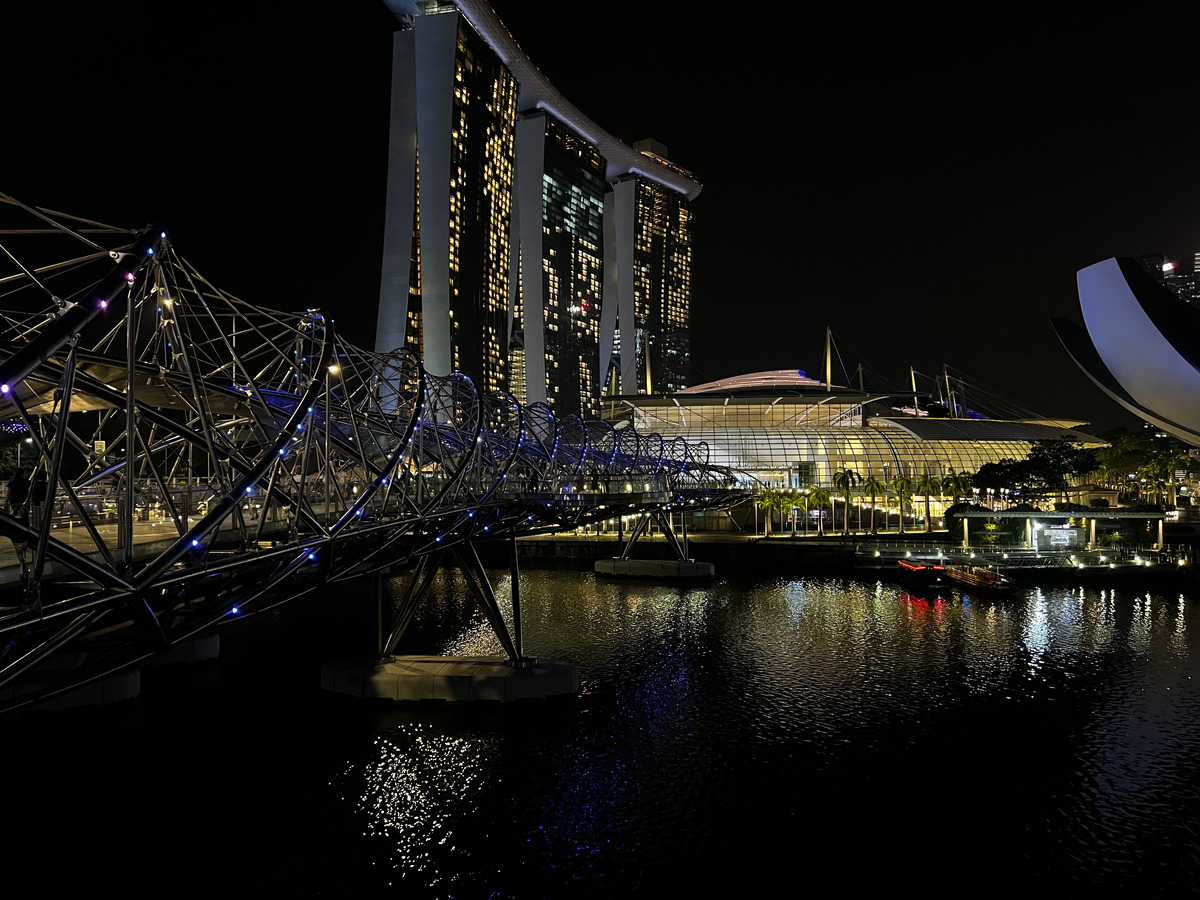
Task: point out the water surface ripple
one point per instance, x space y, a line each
780 728
751 735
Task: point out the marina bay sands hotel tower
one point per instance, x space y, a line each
523 245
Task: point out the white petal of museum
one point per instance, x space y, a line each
1138 345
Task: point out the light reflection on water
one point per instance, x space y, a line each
419 785
755 726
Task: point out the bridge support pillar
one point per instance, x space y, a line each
515 575
681 567
475 575
379 586
455 679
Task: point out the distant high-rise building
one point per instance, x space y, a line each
525 246
1185 285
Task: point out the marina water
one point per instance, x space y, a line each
748 735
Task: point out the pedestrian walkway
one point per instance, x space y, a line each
149 539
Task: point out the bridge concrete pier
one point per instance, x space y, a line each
114 688
202 648
655 568
453 679
682 567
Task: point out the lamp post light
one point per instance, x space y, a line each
991 492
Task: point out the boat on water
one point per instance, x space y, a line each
979 578
924 578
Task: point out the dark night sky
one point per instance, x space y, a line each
926 186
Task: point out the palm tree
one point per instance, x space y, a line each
873 487
1113 466
956 484
787 503
818 497
800 502
901 487
928 484
1158 475
768 501
845 480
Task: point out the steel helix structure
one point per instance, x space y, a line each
194 457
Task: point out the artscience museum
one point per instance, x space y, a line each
1140 344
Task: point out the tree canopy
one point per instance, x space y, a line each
1045 470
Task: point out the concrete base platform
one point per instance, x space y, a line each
655 568
115 688
456 679
201 648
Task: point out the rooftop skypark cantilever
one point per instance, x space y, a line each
504 198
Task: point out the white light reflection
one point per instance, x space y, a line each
797 600
417 791
1037 630
1179 632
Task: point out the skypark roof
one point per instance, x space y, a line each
537 92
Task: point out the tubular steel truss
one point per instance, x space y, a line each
195 457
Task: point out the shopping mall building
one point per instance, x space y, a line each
786 430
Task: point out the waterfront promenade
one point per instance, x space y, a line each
732 552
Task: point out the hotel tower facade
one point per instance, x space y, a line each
524 246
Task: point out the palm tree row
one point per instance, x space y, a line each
846 481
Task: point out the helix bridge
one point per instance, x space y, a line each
196 458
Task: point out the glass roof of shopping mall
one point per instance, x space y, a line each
796 439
